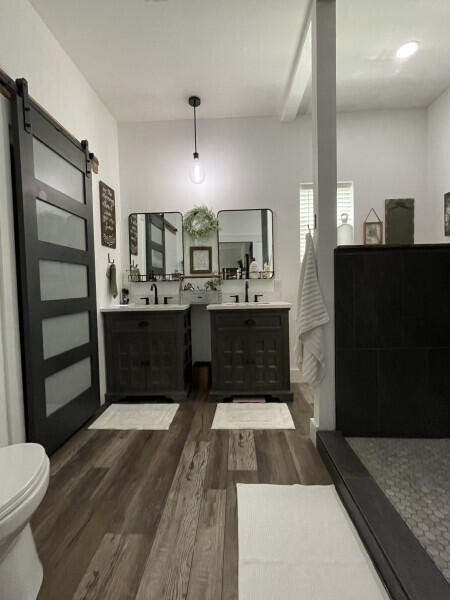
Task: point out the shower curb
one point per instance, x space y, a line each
404 566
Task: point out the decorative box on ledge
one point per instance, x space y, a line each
201 296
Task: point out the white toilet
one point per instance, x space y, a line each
24 477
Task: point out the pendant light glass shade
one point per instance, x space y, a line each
197 172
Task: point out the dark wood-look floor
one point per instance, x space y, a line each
152 514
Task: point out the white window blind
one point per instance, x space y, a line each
344 204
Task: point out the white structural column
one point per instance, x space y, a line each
325 180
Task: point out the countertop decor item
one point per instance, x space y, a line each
373 230
399 221
200 222
344 232
201 259
197 172
254 270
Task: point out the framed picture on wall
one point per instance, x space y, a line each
447 213
201 260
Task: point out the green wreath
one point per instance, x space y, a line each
200 222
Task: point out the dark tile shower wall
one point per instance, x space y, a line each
393 340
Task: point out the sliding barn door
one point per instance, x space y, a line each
53 198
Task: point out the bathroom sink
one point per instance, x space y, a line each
145 308
248 305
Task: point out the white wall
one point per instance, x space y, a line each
12 424
438 181
260 162
28 49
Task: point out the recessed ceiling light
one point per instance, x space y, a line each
407 50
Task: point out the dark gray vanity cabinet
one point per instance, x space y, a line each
148 353
250 353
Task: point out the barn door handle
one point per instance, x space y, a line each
250 322
143 324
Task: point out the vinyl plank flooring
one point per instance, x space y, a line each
68 553
114 450
205 582
242 453
153 514
217 468
115 569
308 463
166 573
69 450
275 462
145 507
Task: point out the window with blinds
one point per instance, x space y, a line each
344 204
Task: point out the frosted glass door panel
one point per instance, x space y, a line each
61 280
65 332
67 384
53 170
60 227
156 235
157 259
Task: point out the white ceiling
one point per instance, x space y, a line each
145 57
369 32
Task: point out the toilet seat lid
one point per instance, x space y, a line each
21 467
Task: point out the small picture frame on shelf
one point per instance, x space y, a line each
373 234
201 260
373 230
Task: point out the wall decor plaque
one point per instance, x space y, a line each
400 221
107 215
447 213
133 234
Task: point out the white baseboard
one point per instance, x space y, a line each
313 429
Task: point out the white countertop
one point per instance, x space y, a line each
145 308
248 305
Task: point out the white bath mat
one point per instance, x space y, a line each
298 542
272 415
136 416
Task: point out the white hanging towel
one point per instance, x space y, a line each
312 315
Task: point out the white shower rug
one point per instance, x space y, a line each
298 542
272 415
136 416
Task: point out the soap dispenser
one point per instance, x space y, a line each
254 270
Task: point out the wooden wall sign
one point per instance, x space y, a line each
107 215
133 234
399 221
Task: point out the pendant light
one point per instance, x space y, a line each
196 172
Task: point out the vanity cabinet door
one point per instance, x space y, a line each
130 362
162 370
232 360
267 355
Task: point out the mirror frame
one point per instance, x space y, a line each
143 278
273 237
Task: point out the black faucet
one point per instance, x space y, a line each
246 290
155 289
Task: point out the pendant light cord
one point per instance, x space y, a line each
195 129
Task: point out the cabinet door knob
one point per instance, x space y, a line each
143 324
250 322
